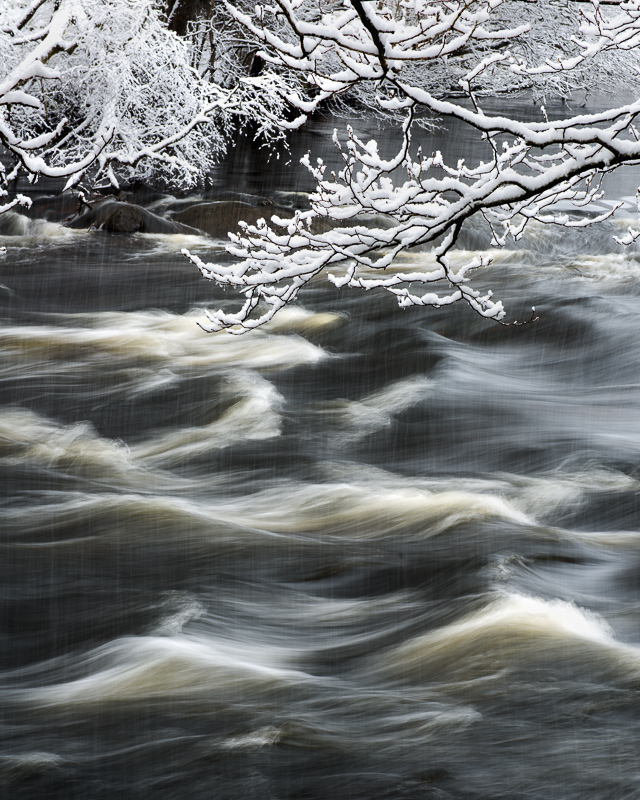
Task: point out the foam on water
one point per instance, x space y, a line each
424 260
28 765
263 737
536 497
80 522
174 243
295 319
17 230
29 440
355 502
287 512
357 419
292 510
607 267
566 254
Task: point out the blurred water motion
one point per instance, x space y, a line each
360 553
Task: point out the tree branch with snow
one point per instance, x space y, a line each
400 51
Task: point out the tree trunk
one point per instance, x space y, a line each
181 12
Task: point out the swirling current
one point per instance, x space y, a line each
360 553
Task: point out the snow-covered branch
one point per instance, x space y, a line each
419 198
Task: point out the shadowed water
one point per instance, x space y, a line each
359 553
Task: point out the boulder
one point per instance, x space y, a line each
219 217
117 217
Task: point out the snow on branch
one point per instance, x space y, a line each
339 46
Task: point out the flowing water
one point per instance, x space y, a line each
359 553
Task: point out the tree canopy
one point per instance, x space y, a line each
106 90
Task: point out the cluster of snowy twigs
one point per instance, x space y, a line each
531 166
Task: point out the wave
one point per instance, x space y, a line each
353 512
289 512
253 416
513 632
28 438
81 520
137 669
537 497
160 338
247 409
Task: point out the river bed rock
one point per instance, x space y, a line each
118 217
219 217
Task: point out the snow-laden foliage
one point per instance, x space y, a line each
389 48
103 86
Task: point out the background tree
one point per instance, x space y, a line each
107 89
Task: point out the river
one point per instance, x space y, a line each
359 553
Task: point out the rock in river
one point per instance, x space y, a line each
117 217
219 217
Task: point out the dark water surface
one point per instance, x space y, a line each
360 553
